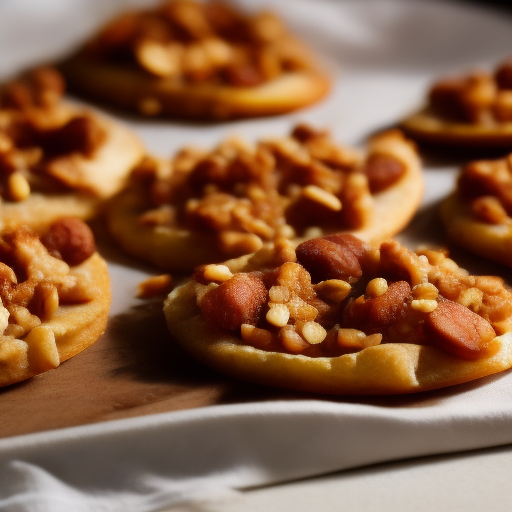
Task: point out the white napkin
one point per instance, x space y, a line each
382 53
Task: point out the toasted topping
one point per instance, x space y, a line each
219 273
479 98
247 195
456 312
458 331
154 286
331 258
235 302
278 315
70 239
195 42
40 137
33 284
376 287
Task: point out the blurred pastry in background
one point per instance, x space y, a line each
197 60
57 158
473 110
208 206
478 214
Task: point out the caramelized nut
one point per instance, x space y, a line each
279 294
18 187
278 315
238 301
352 338
313 333
424 305
425 291
255 336
70 239
334 290
292 340
154 286
322 197
334 257
457 330
219 273
376 287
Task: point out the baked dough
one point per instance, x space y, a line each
72 182
78 321
387 368
155 79
473 111
179 247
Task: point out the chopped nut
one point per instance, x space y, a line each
154 286
278 315
42 350
334 290
425 291
158 58
255 336
323 197
292 340
424 305
233 243
471 298
376 287
279 294
18 187
219 273
354 339
313 333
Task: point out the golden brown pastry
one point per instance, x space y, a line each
55 297
205 207
190 59
336 316
471 111
477 215
57 158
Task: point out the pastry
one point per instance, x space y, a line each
197 60
206 207
57 158
471 111
55 297
336 316
477 215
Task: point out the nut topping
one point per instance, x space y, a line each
424 299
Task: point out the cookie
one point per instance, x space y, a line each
339 317
57 158
55 297
206 207
473 111
197 60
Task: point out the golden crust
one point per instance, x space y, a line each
94 179
181 249
493 241
75 327
130 88
428 127
383 369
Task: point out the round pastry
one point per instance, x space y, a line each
197 60
336 316
56 158
55 297
477 215
467 111
207 207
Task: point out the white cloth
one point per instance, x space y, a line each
386 51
